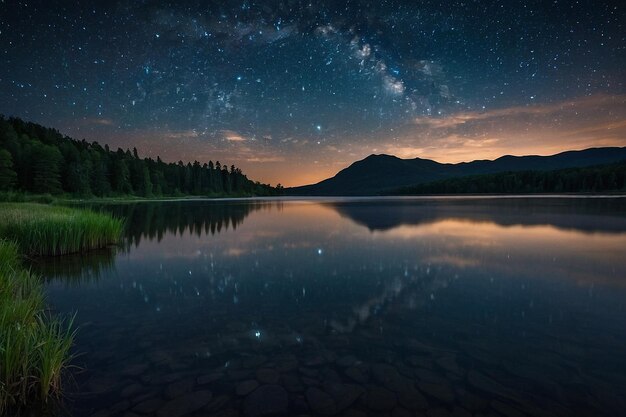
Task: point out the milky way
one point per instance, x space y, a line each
277 86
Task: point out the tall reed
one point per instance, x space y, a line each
53 230
34 348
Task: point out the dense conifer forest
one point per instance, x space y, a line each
600 178
40 160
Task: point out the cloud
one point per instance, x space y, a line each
544 129
233 136
104 122
518 112
265 159
97 121
182 134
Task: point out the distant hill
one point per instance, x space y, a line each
380 174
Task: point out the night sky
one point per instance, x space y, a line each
292 91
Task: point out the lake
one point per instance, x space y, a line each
373 306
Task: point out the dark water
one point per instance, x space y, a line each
488 307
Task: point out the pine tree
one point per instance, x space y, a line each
46 162
8 177
38 159
100 185
121 177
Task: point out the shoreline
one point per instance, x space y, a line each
345 198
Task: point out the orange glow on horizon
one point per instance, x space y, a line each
542 129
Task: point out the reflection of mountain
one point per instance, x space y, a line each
584 214
153 219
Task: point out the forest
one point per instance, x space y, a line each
39 160
599 178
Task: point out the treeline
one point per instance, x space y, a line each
601 178
40 160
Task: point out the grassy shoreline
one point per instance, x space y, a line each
34 346
21 197
44 230
71 201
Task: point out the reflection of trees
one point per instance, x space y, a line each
75 268
154 219
584 214
151 220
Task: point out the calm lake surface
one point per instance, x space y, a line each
484 307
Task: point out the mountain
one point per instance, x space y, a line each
378 174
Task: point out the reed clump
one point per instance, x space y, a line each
34 347
42 230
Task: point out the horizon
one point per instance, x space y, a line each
293 94
361 159
285 207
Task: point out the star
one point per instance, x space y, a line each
258 69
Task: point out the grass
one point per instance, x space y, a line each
34 347
41 230
68 199
21 197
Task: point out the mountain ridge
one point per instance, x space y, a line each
380 173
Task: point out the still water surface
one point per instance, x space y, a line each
484 307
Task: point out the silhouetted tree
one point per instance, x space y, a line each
121 177
38 159
46 161
8 177
610 177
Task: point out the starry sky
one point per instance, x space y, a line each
293 91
